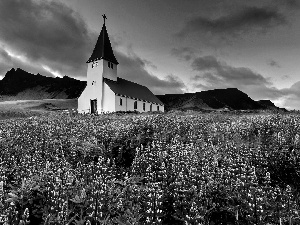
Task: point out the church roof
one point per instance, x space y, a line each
131 89
103 49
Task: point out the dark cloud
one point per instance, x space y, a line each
206 63
183 53
243 21
294 89
291 96
4 56
273 63
5 62
133 68
48 32
216 72
213 74
291 3
52 34
285 77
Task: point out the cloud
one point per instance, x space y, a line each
273 63
285 77
183 53
293 90
5 62
49 38
216 72
47 32
291 98
10 60
245 20
4 56
133 68
213 73
291 3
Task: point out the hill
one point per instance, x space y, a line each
217 99
21 85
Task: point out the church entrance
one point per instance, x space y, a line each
94 106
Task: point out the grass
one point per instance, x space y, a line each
28 108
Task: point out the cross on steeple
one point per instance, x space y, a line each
103 49
104 17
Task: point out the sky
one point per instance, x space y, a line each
170 46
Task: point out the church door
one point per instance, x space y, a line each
94 106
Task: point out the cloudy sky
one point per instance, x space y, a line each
171 46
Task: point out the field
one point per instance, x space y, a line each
174 168
27 108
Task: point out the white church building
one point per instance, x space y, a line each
105 91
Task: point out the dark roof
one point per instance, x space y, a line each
103 49
130 89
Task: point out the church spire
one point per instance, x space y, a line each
104 17
103 49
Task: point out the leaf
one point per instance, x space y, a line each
37 187
12 195
76 199
119 182
120 222
10 200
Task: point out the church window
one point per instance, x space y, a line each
94 64
157 108
151 108
121 101
110 65
135 105
144 106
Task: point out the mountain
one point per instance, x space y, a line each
217 99
270 105
21 85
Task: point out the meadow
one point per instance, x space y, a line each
173 168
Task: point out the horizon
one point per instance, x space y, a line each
172 47
131 81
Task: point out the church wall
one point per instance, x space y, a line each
83 104
93 89
128 105
108 72
108 99
147 106
122 107
154 107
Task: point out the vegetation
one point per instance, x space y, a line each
9 114
177 168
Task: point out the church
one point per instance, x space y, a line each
105 91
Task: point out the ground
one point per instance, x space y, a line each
25 108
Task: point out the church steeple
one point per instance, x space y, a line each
103 49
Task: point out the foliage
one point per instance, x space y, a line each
185 168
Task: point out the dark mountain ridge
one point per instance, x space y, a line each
217 99
21 85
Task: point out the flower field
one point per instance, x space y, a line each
150 169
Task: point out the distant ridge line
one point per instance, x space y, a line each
21 85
